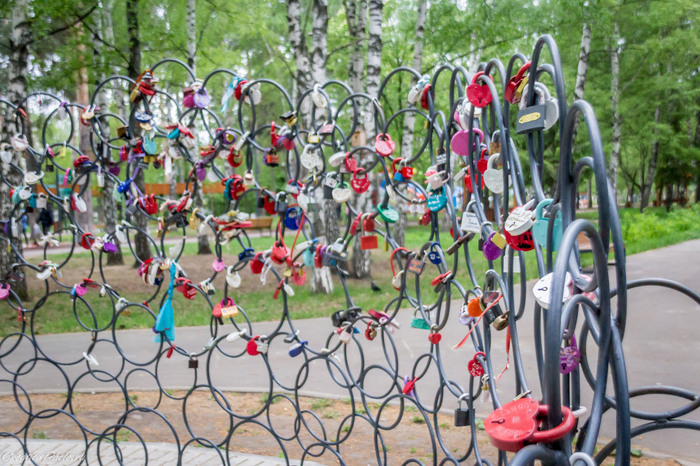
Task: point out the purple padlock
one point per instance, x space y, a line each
569 357
491 251
201 172
109 247
201 98
115 170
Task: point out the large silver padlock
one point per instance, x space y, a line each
462 414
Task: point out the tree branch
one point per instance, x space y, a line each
79 19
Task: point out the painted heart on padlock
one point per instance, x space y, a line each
218 265
475 368
360 182
436 200
434 338
460 143
479 95
523 242
383 145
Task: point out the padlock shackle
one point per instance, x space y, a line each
555 433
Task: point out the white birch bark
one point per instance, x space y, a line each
614 161
192 35
20 37
356 16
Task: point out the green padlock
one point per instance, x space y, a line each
388 214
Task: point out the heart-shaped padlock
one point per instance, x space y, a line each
493 178
342 193
309 159
360 181
479 94
384 145
349 164
522 242
539 229
436 200
519 220
483 164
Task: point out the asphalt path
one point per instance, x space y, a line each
661 346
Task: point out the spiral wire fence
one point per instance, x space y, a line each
466 124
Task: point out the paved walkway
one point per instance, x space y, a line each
661 343
70 452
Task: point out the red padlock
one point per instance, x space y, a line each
360 181
235 158
479 94
475 368
269 205
355 224
252 346
407 172
483 162
510 93
368 242
515 425
87 240
383 145
368 224
257 263
424 98
522 242
435 338
350 163
426 218
279 252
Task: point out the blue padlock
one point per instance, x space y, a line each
123 187
539 228
436 200
292 218
247 252
297 349
149 145
398 177
433 255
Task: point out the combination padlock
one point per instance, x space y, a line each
462 415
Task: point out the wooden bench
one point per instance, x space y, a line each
261 223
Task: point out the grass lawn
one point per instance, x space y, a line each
655 228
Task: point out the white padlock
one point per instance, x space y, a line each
493 178
520 220
543 289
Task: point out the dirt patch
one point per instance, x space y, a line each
204 415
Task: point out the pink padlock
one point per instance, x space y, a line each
383 145
218 265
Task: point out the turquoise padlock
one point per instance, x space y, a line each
118 195
436 200
174 134
308 257
149 145
539 229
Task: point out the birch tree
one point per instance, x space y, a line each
614 161
20 38
356 18
409 118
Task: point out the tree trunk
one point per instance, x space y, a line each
582 72
356 15
192 35
84 219
20 37
319 40
651 168
142 244
409 118
614 161
298 43
374 46
109 205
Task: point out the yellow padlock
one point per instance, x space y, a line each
498 240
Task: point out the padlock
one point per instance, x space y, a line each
367 240
345 334
523 242
434 255
434 338
569 356
530 119
313 138
349 164
479 94
193 363
470 223
387 214
516 424
493 246
371 331
519 220
426 218
462 415
539 229
514 83
271 158
436 200
501 322
360 182
281 203
342 193
493 178
543 289
384 145
474 366
415 266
